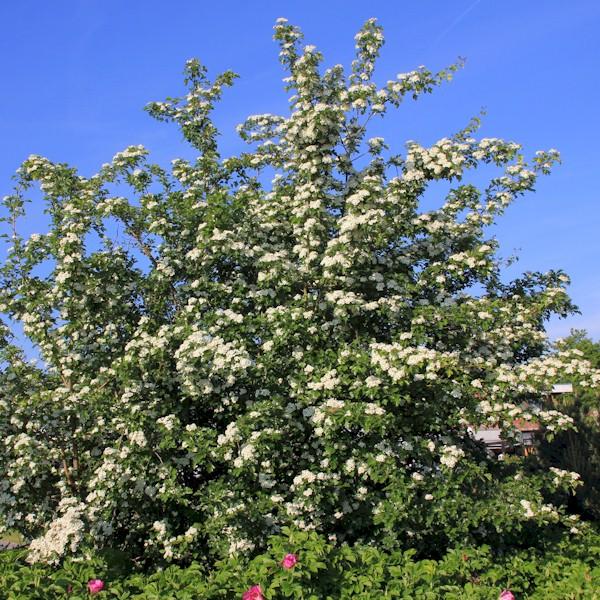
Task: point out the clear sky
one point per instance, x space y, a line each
76 75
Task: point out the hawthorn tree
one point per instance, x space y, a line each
314 352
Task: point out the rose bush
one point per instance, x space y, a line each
568 569
223 355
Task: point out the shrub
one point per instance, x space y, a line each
223 357
326 572
579 449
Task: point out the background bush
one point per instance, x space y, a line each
579 449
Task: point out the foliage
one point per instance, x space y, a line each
579 450
223 357
568 569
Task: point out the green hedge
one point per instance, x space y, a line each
568 569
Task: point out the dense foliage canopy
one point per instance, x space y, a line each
286 337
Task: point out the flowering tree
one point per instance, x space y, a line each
314 352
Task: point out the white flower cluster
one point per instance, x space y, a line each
562 477
64 533
208 363
545 512
444 159
131 153
399 361
450 455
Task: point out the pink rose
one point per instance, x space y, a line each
95 586
289 560
254 593
506 595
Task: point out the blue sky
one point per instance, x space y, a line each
76 75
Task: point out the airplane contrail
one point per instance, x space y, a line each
455 23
